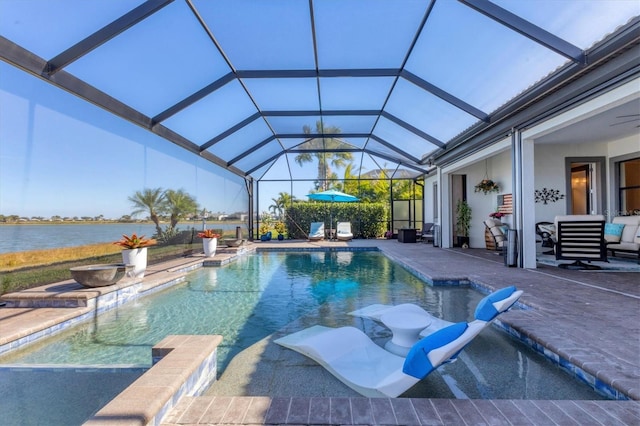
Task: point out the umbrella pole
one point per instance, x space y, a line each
331 221
332 230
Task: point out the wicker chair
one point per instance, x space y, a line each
494 237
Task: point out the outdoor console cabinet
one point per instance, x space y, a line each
407 235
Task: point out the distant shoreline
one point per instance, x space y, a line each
75 222
51 235
111 222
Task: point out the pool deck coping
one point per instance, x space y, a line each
588 341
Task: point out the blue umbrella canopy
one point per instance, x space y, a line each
333 196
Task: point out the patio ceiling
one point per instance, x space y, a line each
251 85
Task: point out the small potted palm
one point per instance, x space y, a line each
209 242
280 229
463 223
135 252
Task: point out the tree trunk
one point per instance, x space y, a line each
154 218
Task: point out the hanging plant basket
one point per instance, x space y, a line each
486 186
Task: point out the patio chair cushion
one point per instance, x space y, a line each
628 233
495 227
316 231
344 231
613 232
487 311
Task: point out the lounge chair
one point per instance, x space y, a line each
316 233
487 309
353 358
343 231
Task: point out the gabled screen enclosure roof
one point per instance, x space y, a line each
250 85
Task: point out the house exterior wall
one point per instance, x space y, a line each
624 146
497 166
429 197
550 173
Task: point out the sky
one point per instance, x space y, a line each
62 156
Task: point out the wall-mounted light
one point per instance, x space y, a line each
578 181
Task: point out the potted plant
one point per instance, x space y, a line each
135 252
209 242
280 229
486 185
463 223
496 215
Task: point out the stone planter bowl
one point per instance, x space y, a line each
100 275
233 242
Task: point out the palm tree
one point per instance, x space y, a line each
350 183
325 159
277 207
280 204
178 204
149 200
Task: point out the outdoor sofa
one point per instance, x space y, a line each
623 234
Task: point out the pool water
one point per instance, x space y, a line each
259 294
32 396
244 302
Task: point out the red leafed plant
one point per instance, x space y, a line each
496 215
134 242
208 233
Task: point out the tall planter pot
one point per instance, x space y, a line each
137 258
209 245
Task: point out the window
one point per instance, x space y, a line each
629 188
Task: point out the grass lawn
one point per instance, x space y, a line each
19 271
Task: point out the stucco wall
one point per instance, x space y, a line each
550 169
496 168
625 146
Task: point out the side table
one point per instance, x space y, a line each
406 328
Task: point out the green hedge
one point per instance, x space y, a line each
367 220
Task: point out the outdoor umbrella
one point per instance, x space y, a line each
332 196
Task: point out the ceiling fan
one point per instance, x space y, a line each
627 119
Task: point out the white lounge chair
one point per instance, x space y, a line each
316 232
353 358
487 309
343 231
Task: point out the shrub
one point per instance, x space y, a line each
368 220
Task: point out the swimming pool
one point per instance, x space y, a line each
244 301
259 294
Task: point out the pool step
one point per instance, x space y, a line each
69 294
